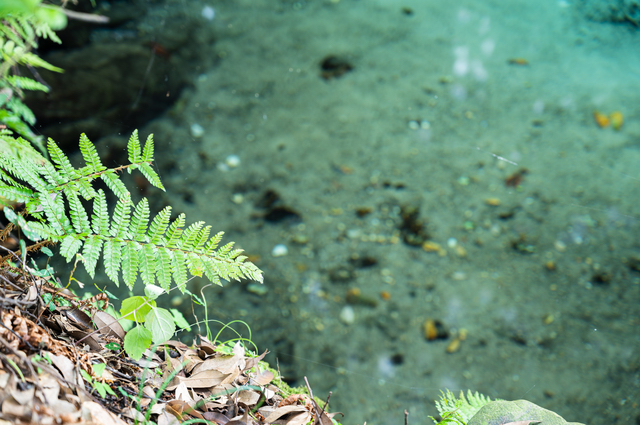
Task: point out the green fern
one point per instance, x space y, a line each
21 24
130 241
459 410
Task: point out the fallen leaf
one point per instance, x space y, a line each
270 414
216 417
206 379
263 378
108 325
64 365
95 413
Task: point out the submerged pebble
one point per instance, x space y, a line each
232 161
197 130
279 250
347 315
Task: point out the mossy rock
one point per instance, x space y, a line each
504 412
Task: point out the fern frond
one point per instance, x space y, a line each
139 221
91 253
213 243
112 259
163 268
25 83
100 217
61 161
189 236
130 244
151 175
147 264
133 147
17 107
129 263
179 270
90 155
159 226
120 221
70 246
110 178
175 232
79 217
460 410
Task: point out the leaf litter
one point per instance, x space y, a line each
51 344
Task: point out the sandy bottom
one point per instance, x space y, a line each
477 116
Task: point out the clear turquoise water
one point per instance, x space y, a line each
445 105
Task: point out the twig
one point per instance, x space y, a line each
87 17
326 403
315 405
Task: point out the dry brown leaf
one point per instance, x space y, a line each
182 392
4 378
23 397
299 419
250 398
180 408
205 348
134 414
108 325
95 413
64 365
147 391
206 379
272 414
166 418
230 379
79 319
216 417
263 378
50 387
12 408
251 362
158 408
221 363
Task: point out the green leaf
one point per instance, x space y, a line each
179 319
98 369
189 236
136 341
113 346
86 376
153 291
136 308
161 324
